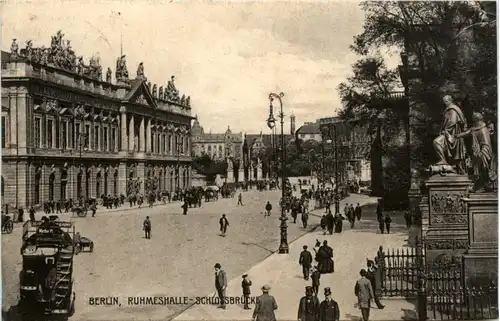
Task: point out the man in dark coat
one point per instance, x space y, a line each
265 306
387 222
220 284
315 276
370 275
185 207
305 218
357 211
329 309
305 260
146 226
325 258
330 222
269 207
245 285
381 224
223 224
308 306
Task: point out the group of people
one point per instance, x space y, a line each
384 221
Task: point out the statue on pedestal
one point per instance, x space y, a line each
449 149
229 164
108 75
188 101
172 92
140 71
14 50
160 93
121 73
483 161
155 88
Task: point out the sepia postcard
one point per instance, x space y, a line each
249 160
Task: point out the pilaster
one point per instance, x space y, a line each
122 178
13 119
141 171
123 129
142 141
131 133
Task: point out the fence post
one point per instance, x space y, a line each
378 278
422 291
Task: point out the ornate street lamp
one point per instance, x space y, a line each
271 121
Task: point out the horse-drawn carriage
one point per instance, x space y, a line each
211 193
193 196
83 244
228 190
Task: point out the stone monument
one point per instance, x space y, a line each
241 172
230 171
259 169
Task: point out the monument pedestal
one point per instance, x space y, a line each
259 173
230 176
447 233
481 259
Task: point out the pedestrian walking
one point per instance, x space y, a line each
330 222
358 211
364 291
305 218
387 222
408 219
323 224
220 284
381 224
308 306
305 260
329 309
245 285
146 226
240 200
269 207
223 222
370 275
185 207
265 306
315 276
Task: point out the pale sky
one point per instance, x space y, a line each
228 56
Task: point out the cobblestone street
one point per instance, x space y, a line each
177 261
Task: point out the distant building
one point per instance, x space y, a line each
353 145
309 131
217 146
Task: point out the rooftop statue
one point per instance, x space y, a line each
160 93
44 55
149 86
188 101
28 51
172 92
140 71
183 100
483 160
108 75
94 69
121 73
14 50
449 149
154 91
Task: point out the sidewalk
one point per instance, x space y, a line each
284 275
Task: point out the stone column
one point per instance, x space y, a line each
123 129
148 136
13 120
131 134
448 227
140 175
142 133
122 178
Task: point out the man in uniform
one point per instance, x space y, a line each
305 260
329 309
245 285
146 226
265 306
308 306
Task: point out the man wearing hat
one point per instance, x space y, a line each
364 291
265 306
329 309
370 275
305 260
308 306
245 285
220 284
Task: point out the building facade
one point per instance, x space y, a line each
309 131
217 146
353 144
67 134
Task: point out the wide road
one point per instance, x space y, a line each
177 261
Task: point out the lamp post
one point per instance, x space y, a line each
271 122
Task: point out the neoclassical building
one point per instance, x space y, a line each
219 146
67 133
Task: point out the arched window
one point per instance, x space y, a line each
106 183
98 180
52 179
115 183
79 185
64 183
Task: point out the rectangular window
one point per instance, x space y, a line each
87 136
4 131
96 137
105 141
113 139
50 126
64 134
76 136
38 132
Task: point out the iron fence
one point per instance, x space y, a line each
397 272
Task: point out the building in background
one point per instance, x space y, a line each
309 131
353 145
217 146
69 134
